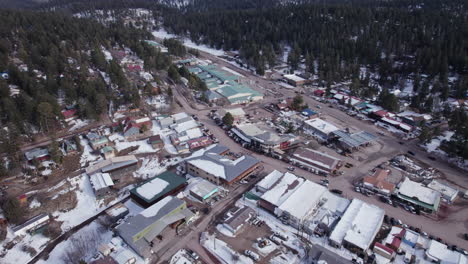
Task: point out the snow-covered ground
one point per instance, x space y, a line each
86 240
435 142
87 155
164 133
223 230
222 251
151 167
143 146
77 124
161 33
180 257
16 253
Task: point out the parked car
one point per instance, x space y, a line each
340 192
411 153
275 239
291 168
431 157
192 254
252 255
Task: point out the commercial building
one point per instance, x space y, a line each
352 142
237 113
140 230
261 140
158 187
280 190
156 142
358 226
378 181
238 219
115 166
215 165
136 126
422 197
268 181
101 183
439 253
295 80
314 161
448 193
319 128
203 190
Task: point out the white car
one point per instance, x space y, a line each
252 255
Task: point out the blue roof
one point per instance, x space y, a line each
308 112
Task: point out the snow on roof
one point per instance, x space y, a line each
142 120
359 224
294 77
152 188
445 190
179 116
154 209
283 189
412 189
234 111
321 125
194 133
185 126
210 167
440 252
394 232
335 203
318 158
100 181
269 180
304 199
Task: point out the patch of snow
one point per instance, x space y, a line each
223 230
161 33
435 142
143 146
222 251
34 204
77 124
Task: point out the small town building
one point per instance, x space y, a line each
32 224
378 181
261 140
295 80
199 143
108 152
321 255
448 193
439 253
352 141
216 166
158 187
99 143
420 196
237 113
268 181
117 212
358 227
279 191
394 238
309 113
115 166
133 127
203 190
239 218
37 154
140 230
314 161
156 142
102 183
70 114
319 128
384 251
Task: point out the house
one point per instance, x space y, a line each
203 190
101 183
184 136
448 193
216 166
295 80
378 181
157 188
69 146
394 238
439 253
237 113
108 152
182 148
420 196
268 181
384 251
140 230
135 126
261 140
37 154
115 166
156 142
319 93
117 212
199 143
69 115
240 217
319 128
314 161
99 143
32 224
358 226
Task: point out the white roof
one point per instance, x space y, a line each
393 232
179 116
304 199
414 189
278 194
359 224
445 190
234 111
194 133
154 209
210 167
321 125
142 120
152 188
267 182
185 126
335 203
294 77
440 251
100 181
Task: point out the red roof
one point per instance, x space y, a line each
69 113
199 142
133 67
381 113
389 250
319 92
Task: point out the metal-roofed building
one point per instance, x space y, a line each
422 197
140 230
320 128
352 142
36 154
217 167
115 166
203 190
101 183
314 161
158 187
262 140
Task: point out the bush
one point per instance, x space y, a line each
14 212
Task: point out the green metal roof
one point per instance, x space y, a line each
222 75
173 179
107 149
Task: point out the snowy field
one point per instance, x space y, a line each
161 33
222 251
